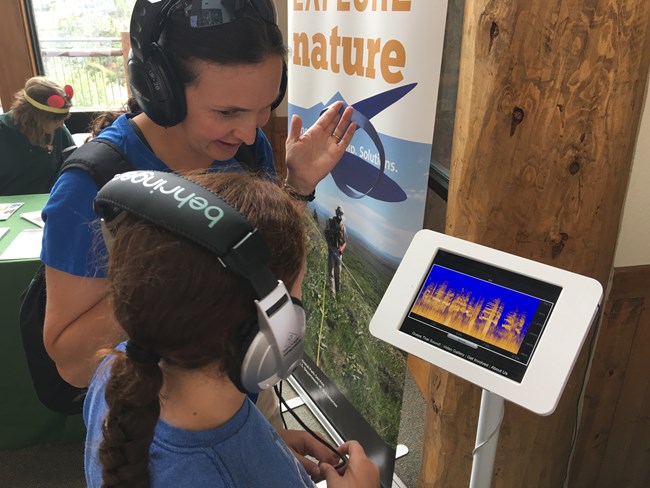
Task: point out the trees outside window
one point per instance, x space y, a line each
79 43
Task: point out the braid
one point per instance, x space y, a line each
133 411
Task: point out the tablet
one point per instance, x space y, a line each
510 325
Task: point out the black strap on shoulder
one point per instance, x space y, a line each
100 158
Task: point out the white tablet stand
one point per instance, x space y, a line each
510 325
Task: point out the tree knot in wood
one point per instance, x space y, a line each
435 407
574 165
558 239
516 118
522 236
494 33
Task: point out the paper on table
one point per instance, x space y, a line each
7 209
3 231
34 218
26 245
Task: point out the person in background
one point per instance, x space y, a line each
337 238
162 409
34 138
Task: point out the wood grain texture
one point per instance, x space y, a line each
452 407
549 102
613 446
16 64
419 369
548 109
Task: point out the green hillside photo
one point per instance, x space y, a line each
367 371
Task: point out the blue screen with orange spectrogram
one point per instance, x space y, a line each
489 316
486 311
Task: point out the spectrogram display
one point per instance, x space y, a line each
486 311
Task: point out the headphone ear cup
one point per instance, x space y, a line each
256 363
269 356
157 89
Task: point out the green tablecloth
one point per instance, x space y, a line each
23 420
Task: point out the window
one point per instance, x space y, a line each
80 44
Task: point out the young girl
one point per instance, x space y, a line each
162 410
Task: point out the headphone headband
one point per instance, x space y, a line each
149 19
154 83
184 208
55 102
144 19
272 349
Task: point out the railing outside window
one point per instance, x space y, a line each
93 66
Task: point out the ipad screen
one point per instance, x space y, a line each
487 315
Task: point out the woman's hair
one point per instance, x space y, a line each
101 120
31 120
246 40
175 299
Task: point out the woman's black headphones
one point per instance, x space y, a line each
154 83
272 347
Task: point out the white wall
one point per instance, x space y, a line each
633 246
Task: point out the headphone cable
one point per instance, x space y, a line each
278 392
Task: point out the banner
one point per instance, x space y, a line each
382 57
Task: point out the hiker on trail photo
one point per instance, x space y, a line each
336 237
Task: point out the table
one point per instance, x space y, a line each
24 421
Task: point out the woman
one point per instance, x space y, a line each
219 82
167 408
230 75
33 137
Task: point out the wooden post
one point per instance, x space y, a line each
17 63
548 108
613 444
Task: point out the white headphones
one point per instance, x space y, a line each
272 346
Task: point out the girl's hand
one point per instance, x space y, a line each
359 472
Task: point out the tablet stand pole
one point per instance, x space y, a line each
487 436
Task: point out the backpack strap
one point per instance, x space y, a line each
100 158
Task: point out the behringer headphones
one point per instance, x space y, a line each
154 83
272 347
